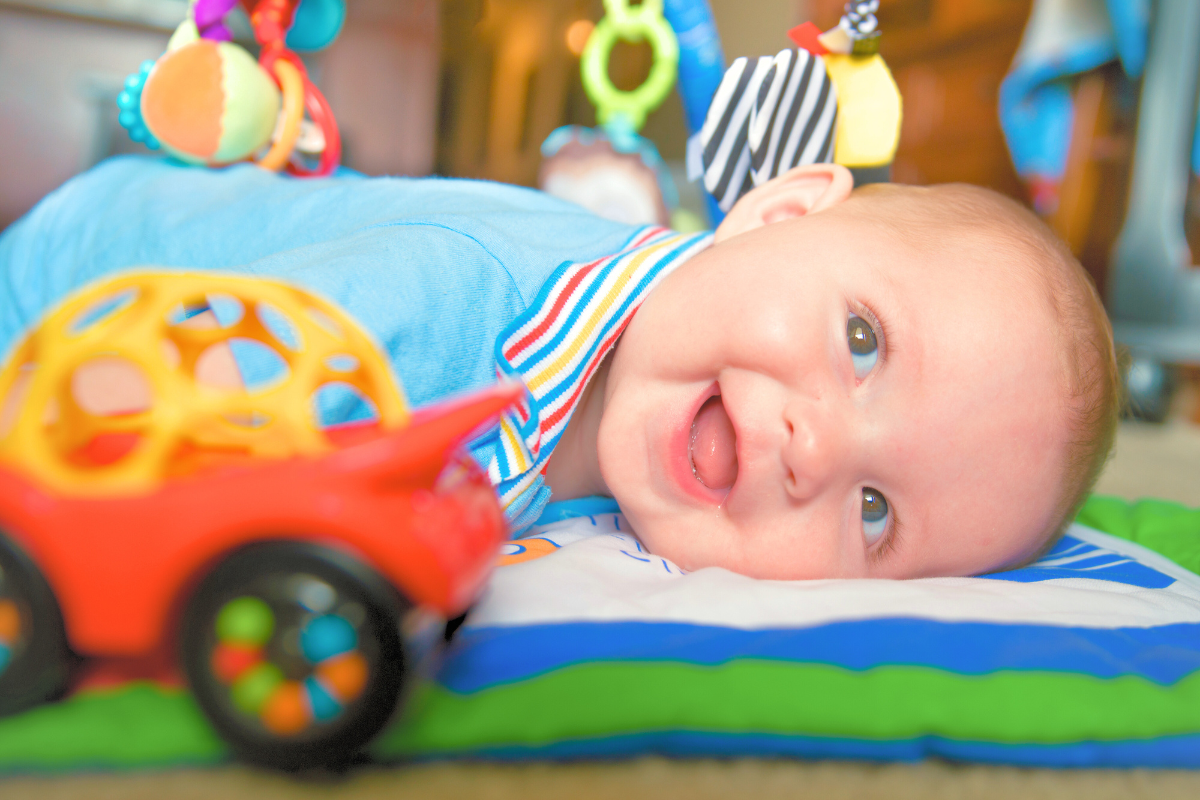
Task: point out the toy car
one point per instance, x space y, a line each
150 497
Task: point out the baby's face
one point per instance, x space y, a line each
817 398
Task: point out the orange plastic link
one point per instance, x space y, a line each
270 20
318 108
293 85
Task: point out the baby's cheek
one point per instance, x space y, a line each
655 536
691 541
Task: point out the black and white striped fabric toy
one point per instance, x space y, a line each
769 114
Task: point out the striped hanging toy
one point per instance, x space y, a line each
833 99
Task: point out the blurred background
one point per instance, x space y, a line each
471 88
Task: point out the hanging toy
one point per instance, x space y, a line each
613 106
769 114
618 177
871 106
207 101
613 171
857 32
806 106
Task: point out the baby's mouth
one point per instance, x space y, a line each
713 448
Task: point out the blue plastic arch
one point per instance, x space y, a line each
701 66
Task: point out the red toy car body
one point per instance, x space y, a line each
148 505
119 565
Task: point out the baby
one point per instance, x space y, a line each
896 382
893 382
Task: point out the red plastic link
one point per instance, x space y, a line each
271 20
273 52
318 108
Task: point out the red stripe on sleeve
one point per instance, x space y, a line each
533 335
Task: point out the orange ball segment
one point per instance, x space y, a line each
183 100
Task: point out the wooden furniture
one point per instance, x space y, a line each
1094 193
506 73
948 58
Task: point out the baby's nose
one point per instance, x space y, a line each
816 447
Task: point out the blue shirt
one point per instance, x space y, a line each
450 276
434 268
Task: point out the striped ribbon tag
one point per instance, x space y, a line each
769 114
558 343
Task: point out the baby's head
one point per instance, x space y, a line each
895 382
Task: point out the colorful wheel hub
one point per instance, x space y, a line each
10 632
247 632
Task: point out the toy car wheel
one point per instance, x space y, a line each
34 659
293 651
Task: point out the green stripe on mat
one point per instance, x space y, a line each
606 699
148 725
1165 527
140 724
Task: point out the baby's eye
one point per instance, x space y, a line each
874 514
864 349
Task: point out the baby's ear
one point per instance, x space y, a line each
805 189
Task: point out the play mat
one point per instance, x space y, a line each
584 645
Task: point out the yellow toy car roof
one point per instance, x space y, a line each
143 326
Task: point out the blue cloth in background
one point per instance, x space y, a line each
1063 39
1131 32
433 268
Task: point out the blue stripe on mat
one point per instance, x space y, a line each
483 657
1181 751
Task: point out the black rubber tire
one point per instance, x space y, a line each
266 571
39 661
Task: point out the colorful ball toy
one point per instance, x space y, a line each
207 101
210 103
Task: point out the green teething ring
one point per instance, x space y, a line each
631 24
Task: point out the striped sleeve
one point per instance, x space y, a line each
558 343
